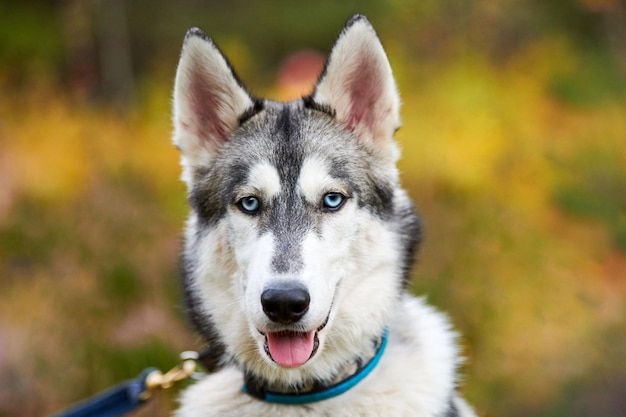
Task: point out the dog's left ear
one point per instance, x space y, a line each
358 85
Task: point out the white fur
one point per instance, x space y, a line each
417 372
264 178
315 181
414 378
351 260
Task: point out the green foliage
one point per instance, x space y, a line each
596 189
30 37
126 362
121 283
593 79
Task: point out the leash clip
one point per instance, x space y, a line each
187 367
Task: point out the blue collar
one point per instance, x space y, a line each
323 393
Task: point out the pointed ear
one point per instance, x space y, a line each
209 100
358 85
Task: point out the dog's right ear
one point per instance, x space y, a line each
209 100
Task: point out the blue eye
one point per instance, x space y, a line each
249 205
333 201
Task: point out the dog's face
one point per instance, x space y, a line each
297 240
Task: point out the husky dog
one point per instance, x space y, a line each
299 244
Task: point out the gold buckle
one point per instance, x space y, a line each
158 380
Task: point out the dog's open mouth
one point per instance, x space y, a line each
291 349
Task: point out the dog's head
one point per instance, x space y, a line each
299 238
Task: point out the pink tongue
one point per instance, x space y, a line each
290 349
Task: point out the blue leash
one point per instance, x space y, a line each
134 393
117 401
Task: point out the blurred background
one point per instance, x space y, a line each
514 150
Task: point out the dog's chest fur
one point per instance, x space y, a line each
414 378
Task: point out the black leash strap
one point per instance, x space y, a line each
132 394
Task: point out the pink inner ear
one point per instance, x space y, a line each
206 102
365 91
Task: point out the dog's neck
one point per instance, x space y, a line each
344 378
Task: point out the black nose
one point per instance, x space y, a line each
285 304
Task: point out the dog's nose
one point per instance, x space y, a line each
285 304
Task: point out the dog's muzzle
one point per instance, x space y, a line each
286 304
